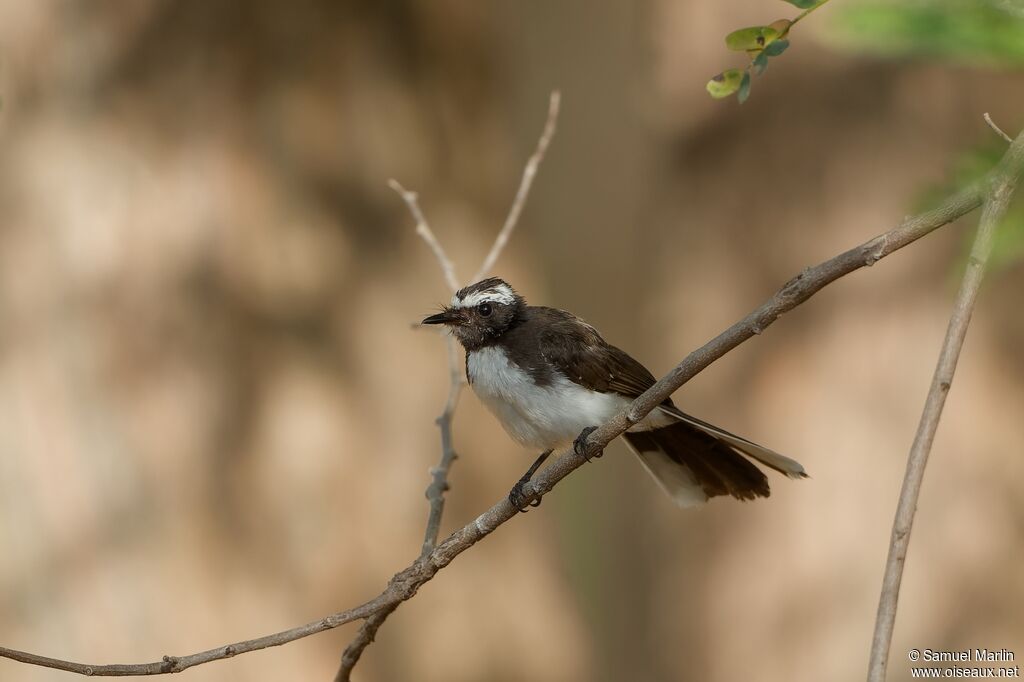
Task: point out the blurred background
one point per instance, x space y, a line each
217 422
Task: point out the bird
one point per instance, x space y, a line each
550 379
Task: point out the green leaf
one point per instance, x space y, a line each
760 62
776 48
804 4
753 38
744 88
725 83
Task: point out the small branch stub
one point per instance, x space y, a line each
997 129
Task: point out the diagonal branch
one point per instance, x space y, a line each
404 585
997 200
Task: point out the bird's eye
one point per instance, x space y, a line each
484 309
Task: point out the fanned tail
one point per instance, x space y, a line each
693 461
770 458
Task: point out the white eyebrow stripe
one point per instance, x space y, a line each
499 294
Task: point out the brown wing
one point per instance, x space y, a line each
579 352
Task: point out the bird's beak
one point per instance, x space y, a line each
446 316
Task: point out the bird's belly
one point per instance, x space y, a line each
542 417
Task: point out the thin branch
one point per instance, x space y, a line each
411 200
175 664
800 17
364 638
999 131
554 102
404 585
807 11
996 202
439 484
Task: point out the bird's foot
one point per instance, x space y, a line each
518 498
579 445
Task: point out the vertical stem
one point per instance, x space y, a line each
992 213
439 483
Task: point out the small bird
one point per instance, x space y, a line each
551 379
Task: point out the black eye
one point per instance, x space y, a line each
484 309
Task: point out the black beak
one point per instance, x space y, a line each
444 317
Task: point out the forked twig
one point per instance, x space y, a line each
439 474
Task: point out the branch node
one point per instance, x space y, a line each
169 664
791 285
876 250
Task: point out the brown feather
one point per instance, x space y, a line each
718 469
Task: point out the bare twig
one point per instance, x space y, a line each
403 585
411 200
439 484
997 200
524 188
999 131
364 638
174 664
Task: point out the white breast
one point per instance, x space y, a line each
540 417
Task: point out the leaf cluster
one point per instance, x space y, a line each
761 43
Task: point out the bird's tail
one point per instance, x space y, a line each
696 461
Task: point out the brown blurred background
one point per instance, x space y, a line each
216 421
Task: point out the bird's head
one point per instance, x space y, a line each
480 312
